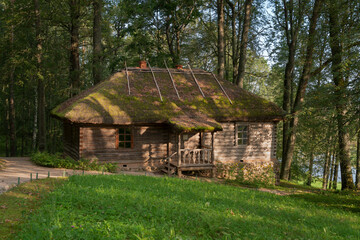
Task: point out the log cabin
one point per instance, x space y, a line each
177 119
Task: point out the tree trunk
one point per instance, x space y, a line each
358 159
336 170
291 35
12 118
243 43
7 127
74 47
332 163
311 164
97 50
326 164
341 99
177 48
305 76
35 126
40 80
169 40
221 38
234 43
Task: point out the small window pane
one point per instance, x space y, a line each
125 137
242 134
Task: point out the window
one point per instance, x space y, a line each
242 134
124 138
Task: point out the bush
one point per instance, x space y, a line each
57 161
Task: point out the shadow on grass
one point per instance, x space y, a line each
22 201
347 201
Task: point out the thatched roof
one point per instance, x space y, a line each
109 102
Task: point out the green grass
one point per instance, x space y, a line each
19 202
317 183
140 207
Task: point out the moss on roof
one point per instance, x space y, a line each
109 102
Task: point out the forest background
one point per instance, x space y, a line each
302 55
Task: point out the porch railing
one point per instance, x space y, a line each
195 156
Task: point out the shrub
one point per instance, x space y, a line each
57 161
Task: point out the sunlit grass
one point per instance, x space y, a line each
140 207
18 203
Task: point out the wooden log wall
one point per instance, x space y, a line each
261 146
71 140
150 145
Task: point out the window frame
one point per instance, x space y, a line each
237 125
124 133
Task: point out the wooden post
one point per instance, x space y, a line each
178 140
168 153
212 154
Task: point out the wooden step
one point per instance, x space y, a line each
169 170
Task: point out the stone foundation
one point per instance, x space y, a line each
249 172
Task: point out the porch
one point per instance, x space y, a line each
185 159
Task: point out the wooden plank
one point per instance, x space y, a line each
127 77
157 86
222 89
212 147
172 81
192 73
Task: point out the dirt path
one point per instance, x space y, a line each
21 167
17 167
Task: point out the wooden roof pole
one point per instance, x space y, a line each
157 86
222 89
127 77
172 80
192 73
178 146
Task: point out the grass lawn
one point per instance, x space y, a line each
21 201
140 207
317 184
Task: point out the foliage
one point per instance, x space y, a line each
57 161
140 207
